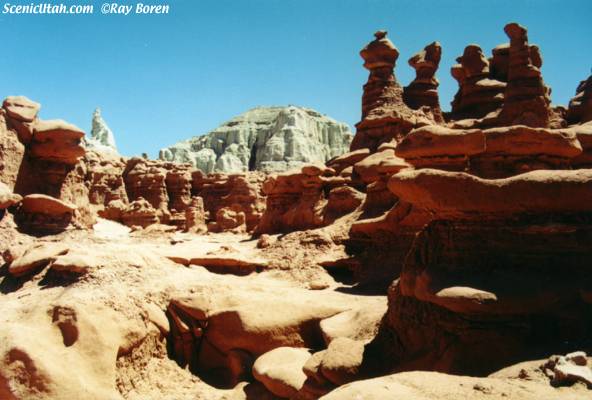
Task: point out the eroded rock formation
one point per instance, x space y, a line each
526 98
101 137
580 106
423 90
479 224
478 94
270 139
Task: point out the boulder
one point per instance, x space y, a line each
280 370
357 324
342 361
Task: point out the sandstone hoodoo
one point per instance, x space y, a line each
478 93
271 139
438 255
423 90
526 99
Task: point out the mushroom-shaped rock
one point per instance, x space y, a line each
21 108
380 54
43 204
57 141
280 370
40 213
36 257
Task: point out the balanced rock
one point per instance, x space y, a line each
21 108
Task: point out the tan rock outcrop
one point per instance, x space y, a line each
241 327
146 179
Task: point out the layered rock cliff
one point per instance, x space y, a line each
270 139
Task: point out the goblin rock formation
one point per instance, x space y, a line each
526 99
423 90
270 139
43 157
441 243
478 94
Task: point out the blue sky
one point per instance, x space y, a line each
163 78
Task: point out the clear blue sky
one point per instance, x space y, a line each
164 78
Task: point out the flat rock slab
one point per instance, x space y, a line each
458 194
77 264
420 385
231 264
35 257
43 204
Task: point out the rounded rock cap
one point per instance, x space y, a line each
380 52
43 204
